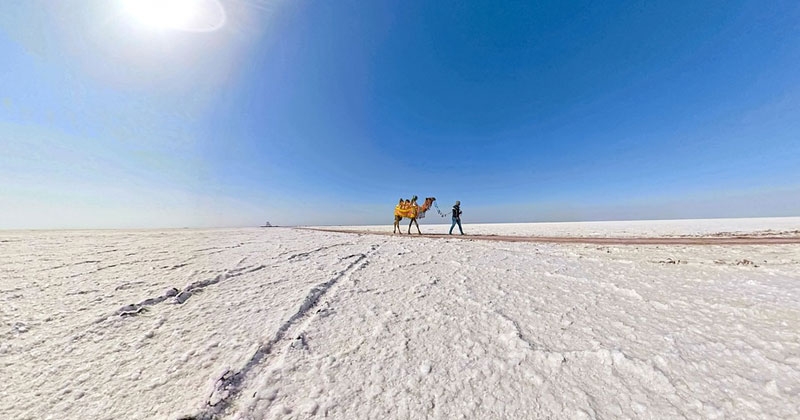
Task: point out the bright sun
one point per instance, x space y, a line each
188 15
161 13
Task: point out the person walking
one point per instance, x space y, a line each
456 218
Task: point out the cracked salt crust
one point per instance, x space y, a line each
286 323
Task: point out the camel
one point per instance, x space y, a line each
411 210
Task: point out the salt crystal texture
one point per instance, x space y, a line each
281 322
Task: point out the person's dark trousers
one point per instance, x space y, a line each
456 220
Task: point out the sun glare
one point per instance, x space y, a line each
186 15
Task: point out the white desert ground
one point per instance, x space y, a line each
299 323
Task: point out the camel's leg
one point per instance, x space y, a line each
413 221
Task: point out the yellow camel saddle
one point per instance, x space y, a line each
406 210
412 210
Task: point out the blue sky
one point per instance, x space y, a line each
327 112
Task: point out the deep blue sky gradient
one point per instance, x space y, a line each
312 112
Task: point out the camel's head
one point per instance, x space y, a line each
428 202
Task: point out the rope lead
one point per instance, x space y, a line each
439 211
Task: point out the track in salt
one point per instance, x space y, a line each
229 386
179 296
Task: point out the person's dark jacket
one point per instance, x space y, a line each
457 212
